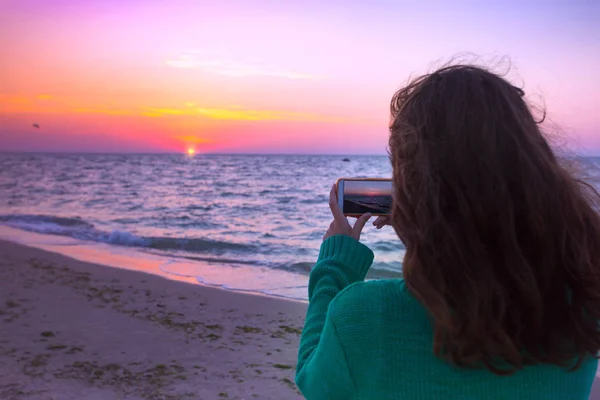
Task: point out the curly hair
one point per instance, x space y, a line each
502 242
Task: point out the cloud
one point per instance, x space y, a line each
50 104
234 69
240 114
6 99
191 139
264 115
159 112
103 110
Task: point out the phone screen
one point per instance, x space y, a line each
361 196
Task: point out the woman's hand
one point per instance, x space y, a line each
382 221
340 225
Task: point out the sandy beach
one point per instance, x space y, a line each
76 330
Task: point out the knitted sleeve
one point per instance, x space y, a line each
322 371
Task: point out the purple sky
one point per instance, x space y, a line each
266 76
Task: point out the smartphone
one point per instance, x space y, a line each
358 196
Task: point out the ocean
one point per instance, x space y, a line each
251 223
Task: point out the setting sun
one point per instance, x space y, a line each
191 151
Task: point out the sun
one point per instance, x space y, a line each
191 151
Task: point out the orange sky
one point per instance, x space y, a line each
370 188
168 75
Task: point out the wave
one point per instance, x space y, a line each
193 249
46 224
80 229
377 271
300 267
216 260
316 200
387 246
232 194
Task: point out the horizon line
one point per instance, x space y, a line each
196 154
593 153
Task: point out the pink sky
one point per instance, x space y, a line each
253 76
373 188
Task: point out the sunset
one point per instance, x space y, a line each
264 77
287 200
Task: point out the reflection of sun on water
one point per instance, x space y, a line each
191 151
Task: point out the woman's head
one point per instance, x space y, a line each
503 244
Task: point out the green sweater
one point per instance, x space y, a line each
373 340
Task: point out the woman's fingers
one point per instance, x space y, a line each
338 215
381 221
340 225
359 225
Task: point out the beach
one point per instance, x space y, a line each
165 276
77 330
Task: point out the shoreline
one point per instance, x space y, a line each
74 329
123 257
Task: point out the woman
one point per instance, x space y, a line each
500 296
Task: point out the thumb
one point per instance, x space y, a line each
359 225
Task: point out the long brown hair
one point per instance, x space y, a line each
502 242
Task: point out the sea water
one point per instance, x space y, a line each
242 222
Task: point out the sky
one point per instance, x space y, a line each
273 76
367 187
